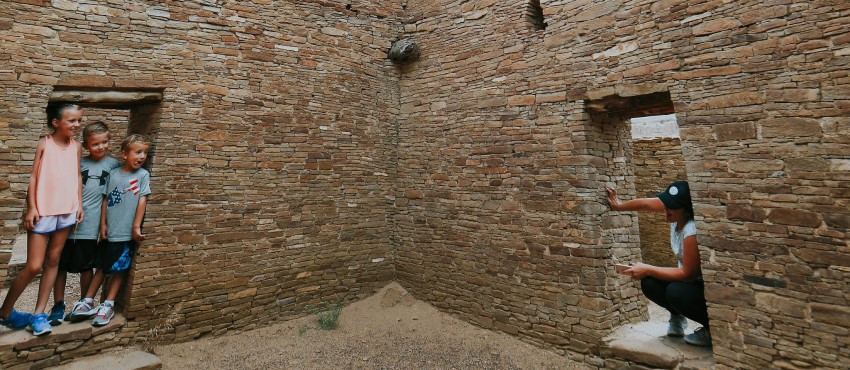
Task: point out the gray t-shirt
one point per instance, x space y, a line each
95 175
122 196
677 240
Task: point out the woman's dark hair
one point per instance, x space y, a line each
689 212
56 111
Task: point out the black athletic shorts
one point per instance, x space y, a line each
78 255
115 257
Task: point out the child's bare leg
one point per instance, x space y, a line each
114 286
51 268
36 246
94 284
59 287
85 282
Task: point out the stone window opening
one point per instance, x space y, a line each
639 163
125 111
534 14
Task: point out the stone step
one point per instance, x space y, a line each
127 360
647 344
68 341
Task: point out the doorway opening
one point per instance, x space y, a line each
125 111
637 136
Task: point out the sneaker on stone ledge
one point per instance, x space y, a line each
700 337
39 325
104 314
56 313
81 311
16 320
677 325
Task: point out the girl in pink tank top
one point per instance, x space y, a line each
54 199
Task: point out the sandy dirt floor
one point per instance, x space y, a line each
389 330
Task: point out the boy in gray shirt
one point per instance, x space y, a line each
121 226
80 247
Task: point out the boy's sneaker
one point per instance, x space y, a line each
81 311
104 314
701 337
39 325
56 313
16 320
677 325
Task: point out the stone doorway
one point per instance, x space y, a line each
126 111
636 164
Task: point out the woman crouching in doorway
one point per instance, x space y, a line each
678 289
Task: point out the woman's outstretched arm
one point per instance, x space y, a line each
641 204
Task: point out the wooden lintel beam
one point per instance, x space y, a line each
105 97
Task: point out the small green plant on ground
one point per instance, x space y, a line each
329 317
304 329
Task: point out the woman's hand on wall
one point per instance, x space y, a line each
613 201
639 270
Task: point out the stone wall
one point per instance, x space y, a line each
501 207
295 165
275 142
658 162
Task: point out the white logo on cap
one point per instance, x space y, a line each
674 190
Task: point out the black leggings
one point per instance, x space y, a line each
678 297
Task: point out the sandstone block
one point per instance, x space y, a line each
837 220
84 38
791 127
823 257
707 72
37 79
414 194
777 304
831 314
653 68
716 25
729 295
793 95
750 214
787 216
333 31
86 81
551 97
836 92
735 100
521 100
735 131
755 165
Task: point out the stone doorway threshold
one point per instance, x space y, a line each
647 344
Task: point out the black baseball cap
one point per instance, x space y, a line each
677 196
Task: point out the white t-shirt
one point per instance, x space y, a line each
677 240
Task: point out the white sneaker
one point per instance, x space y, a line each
82 311
677 325
700 337
104 314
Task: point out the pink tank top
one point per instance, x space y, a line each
57 187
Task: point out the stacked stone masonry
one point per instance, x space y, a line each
21 350
295 165
271 181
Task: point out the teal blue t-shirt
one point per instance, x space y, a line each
122 197
95 176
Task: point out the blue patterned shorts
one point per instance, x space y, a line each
115 257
